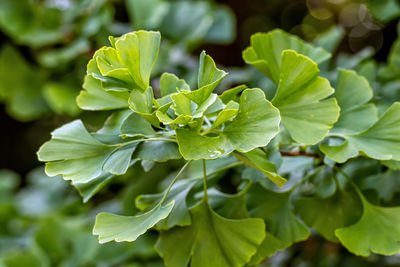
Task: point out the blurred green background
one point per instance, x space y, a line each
44 48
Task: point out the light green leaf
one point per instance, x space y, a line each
93 97
206 147
128 228
138 52
136 125
301 99
381 141
74 153
276 209
266 50
118 162
208 79
142 104
377 231
211 240
232 94
230 111
170 84
255 125
325 215
352 93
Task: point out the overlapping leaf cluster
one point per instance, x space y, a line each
241 130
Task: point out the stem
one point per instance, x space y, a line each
205 180
174 180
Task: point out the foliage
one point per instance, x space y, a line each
329 117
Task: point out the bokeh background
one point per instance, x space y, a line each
44 48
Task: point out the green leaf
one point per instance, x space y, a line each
276 209
21 88
325 215
232 94
255 125
259 161
230 206
93 97
128 228
352 93
269 246
61 98
384 10
89 189
381 141
74 153
211 240
377 231
180 215
207 80
266 50
142 104
159 151
136 125
301 99
138 52
170 84
230 110
385 184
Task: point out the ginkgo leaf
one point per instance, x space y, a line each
377 231
266 50
255 124
159 151
136 125
94 97
141 102
209 240
352 93
170 84
276 209
230 206
180 215
385 184
74 153
128 63
325 215
208 79
128 228
138 51
380 141
302 100
268 247
20 89
259 161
